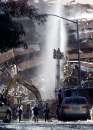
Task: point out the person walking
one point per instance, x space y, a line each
32 113
46 112
9 114
20 111
35 112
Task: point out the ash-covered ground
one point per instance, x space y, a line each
53 125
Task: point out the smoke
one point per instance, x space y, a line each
79 11
55 37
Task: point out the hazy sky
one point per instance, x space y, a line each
66 1
45 5
79 1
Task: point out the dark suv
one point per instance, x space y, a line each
74 108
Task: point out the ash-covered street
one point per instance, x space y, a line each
53 125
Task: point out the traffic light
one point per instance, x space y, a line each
61 55
54 53
58 53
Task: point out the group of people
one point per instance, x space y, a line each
9 114
35 112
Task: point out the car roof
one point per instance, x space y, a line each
75 97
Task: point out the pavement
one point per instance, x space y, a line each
49 125
50 122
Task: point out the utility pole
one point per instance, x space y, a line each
79 63
58 55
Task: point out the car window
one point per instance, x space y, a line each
75 101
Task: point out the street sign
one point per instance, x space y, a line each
57 54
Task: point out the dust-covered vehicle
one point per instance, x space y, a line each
74 108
